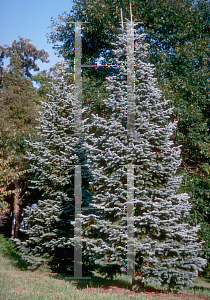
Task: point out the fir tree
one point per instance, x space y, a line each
166 247
49 223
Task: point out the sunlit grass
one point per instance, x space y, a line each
17 282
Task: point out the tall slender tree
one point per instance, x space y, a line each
166 246
49 223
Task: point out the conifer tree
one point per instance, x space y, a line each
48 225
166 247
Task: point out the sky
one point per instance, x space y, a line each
30 19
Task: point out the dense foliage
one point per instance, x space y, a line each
166 246
178 34
19 103
48 224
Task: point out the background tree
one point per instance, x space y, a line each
19 103
23 56
178 34
8 176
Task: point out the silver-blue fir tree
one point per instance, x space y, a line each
166 246
47 224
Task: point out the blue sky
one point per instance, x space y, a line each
30 19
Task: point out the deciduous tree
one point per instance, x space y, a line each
18 112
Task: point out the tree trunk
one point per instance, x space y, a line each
137 284
13 227
16 211
15 217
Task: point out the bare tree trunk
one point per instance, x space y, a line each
16 211
13 227
15 217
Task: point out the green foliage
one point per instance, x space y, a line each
9 250
7 247
8 175
18 99
94 91
198 186
23 56
18 111
19 103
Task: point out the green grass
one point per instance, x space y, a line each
20 284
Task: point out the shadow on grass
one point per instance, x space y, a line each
99 282
17 260
9 250
106 284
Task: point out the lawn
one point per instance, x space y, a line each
20 284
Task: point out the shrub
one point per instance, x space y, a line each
7 246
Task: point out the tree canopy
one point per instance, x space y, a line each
23 56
